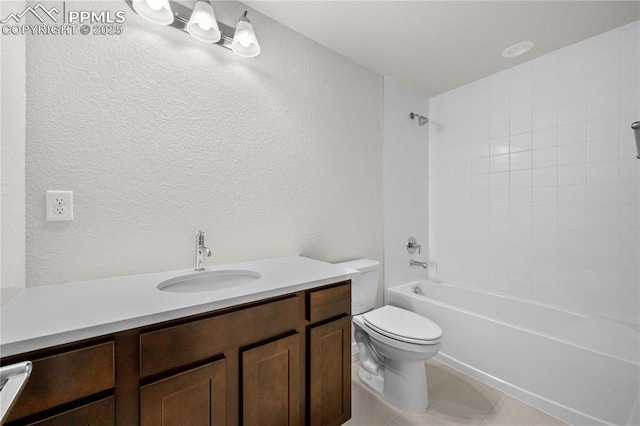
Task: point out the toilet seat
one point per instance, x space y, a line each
405 326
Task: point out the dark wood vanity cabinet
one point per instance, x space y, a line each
194 397
330 373
271 383
281 361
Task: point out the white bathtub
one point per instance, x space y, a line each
579 368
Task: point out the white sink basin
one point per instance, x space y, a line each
208 281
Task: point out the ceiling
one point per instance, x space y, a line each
434 46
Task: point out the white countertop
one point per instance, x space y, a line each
51 315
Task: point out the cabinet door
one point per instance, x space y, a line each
271 383
196 397
330 373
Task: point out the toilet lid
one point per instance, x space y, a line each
403 325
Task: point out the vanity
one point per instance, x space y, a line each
275 351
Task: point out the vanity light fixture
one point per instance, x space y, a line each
201 23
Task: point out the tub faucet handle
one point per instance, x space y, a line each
412 245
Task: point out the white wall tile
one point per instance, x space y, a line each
547 176
603 150
574 70
572 236
629 217
629 193
602 239
572 112
602 172
553 198
570 195
545 118
572 154
573 174
603 105
546 215
520 124
603 194
499 180
520 178
501 146
572 133
520 160
499 163
521 142
545 138
521 106
545 157
546 196
603 128
499 128
629 240
480 149
572 216
520 197
520 215
602 216
572 91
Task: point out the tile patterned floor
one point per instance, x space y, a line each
454 399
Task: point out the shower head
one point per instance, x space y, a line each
422 120
636 129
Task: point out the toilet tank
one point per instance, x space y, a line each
364 286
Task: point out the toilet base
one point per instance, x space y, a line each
373 382
402 384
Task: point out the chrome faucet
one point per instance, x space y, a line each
423 265
200 251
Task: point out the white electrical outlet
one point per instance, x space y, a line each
59 205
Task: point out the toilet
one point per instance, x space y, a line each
393 344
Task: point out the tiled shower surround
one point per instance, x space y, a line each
533 181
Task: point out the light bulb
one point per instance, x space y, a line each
244 42
155 4
204 25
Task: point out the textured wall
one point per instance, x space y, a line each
12 157
160 136
534 184
405 177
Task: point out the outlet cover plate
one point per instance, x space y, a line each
59 205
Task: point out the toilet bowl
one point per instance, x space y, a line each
393 346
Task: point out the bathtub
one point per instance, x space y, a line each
579 368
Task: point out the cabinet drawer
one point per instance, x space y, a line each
180 345
100 413
65 377
329 302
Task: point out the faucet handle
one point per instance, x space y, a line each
200 238
412 245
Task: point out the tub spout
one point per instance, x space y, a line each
423 265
